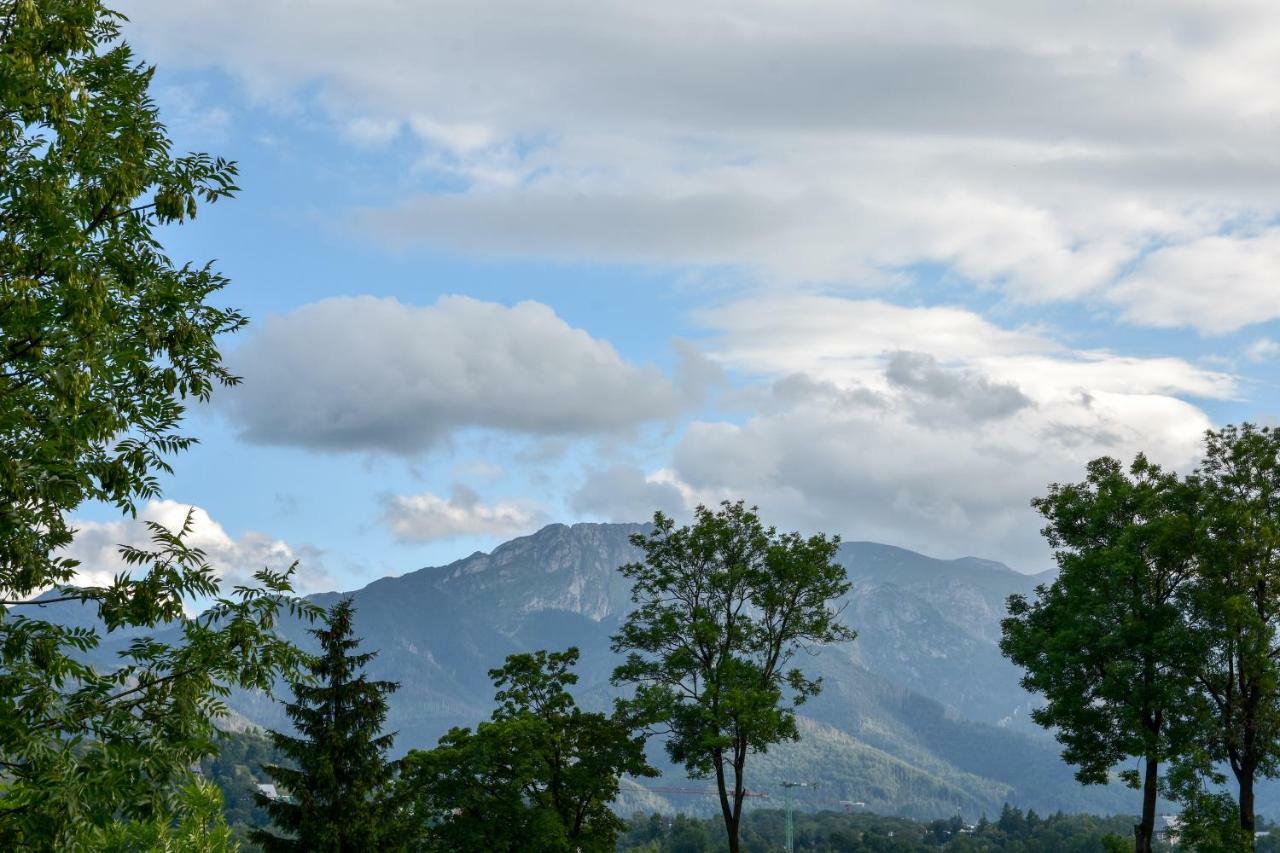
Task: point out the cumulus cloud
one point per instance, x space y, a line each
947 489
1036 148
833 336
378 375
428 517
937 450
234 558
844 339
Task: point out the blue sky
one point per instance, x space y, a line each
884 271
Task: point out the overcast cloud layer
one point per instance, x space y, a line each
1113 152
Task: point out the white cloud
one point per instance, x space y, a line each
940 447
375 374
843 340
1216 284
234 558
832 336
939 486
428 518
371 132
1263 349
1022 145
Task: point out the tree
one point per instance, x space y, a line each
539 775
198 826
85 748
722 607
102 338
103 343
340 793
1107 644
1235 604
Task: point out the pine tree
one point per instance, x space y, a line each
339 796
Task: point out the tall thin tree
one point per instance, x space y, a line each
338 797
1236 605
722 607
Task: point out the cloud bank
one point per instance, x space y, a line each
942 450
1117 153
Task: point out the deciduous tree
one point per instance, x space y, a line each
1235 604
1107 643
104 341
540 775
722 607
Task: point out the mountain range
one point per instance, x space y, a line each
920 715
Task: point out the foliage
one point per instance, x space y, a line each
339 791
1158 639
198 826
1210 819
103 342
85 748
1235 605
722 607
102 338
541 774
1106 643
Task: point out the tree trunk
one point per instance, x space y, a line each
726 810
1145 831
739 791
1245 779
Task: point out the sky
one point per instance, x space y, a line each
883 269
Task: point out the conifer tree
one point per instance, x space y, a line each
338 798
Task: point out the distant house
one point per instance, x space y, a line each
1172 824
268 790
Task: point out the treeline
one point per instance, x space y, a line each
838 832
236 769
